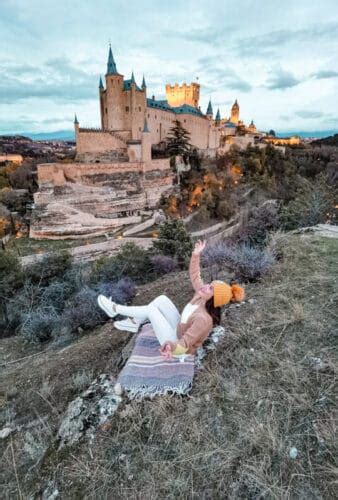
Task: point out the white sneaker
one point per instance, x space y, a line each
127 325
107 306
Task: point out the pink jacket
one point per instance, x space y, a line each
193 333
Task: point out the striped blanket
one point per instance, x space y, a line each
147 373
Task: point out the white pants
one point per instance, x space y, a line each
162 314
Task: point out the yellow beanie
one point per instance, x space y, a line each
223 293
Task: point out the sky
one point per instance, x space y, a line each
279 59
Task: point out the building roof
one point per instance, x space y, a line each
209 109
127 84
144 83
218 116
229 125
111 66
184 109
100 84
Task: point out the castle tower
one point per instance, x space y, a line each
252 127
101 92
76 127
113 108
234 118
186 94
146 142
218 117
210 111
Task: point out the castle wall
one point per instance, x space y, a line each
97 142
203 134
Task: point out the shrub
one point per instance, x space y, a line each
53 265
313 205
56 294
40 325
163 264
83 311
5 220
11 279
23 178
121 292
255 229
245 262
174 241
131 261
15 201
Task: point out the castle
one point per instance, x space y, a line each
114 180
128 114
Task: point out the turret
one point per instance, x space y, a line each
218 117
146 142
144 86
209 110
111 66
234 118
76 126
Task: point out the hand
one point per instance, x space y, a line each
167 348
199 247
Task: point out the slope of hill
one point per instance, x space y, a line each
327 141
258 423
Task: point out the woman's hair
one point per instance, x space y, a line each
215 312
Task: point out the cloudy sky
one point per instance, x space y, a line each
278 58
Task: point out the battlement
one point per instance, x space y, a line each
185 94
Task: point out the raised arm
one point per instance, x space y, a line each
194 266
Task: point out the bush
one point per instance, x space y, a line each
174 241
56 294
83 311
121 292
53 265
255 229
23 178
40 325
15 201
131 261
313 205
163 264
5 220
245 262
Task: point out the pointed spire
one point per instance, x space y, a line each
145 126
218 116
144 86
209 110
100 84
111 66
76 120
132 80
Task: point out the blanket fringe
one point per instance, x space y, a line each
138 393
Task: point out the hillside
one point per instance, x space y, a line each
332 140
267 389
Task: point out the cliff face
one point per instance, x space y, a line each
84 199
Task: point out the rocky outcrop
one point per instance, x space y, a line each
78 200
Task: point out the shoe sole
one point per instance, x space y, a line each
105 309
126 329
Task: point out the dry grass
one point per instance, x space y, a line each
268 387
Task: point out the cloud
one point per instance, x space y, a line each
308 114
267 43
57 80
209 35
281 80
323 74
222 77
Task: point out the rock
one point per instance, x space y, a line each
6 431
118 389
293 453
89 411
251 301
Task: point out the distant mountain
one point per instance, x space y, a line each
332 140
60 135
315 134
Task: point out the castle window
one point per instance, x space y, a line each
148 115
106 110
127 109
139 108
139 129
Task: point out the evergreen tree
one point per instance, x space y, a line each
174 240
178 140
